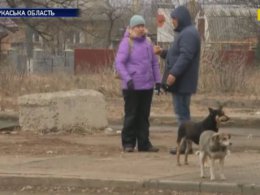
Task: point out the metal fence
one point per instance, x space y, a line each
42 62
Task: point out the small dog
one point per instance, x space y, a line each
190 131
214 146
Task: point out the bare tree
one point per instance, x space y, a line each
114 13
42 27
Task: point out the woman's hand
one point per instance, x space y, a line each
157 49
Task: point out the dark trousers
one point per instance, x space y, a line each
136 120
181 104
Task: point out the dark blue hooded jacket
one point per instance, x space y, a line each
182 58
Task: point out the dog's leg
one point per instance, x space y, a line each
178 151
206 164
202 158
212 172
221 167
188 148
178 154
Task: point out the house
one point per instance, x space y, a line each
228 26
231 30
88 30
7 26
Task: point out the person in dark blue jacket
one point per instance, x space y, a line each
182 64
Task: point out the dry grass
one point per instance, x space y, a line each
215 78
233 76
14 85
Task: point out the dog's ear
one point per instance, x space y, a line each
220 105
210 109
215 137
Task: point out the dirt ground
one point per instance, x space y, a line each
234 105
105 190
98 144
102 144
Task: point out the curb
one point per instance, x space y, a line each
211 187
243 121
16 181
249 122
240 122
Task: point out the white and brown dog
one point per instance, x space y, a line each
214 146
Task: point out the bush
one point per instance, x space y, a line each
219 74
257 53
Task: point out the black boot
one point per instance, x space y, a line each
149 149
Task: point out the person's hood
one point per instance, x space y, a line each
182 14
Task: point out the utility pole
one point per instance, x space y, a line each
29 42
135 5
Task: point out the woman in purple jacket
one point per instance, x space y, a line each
139 71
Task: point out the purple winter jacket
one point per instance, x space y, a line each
137 62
